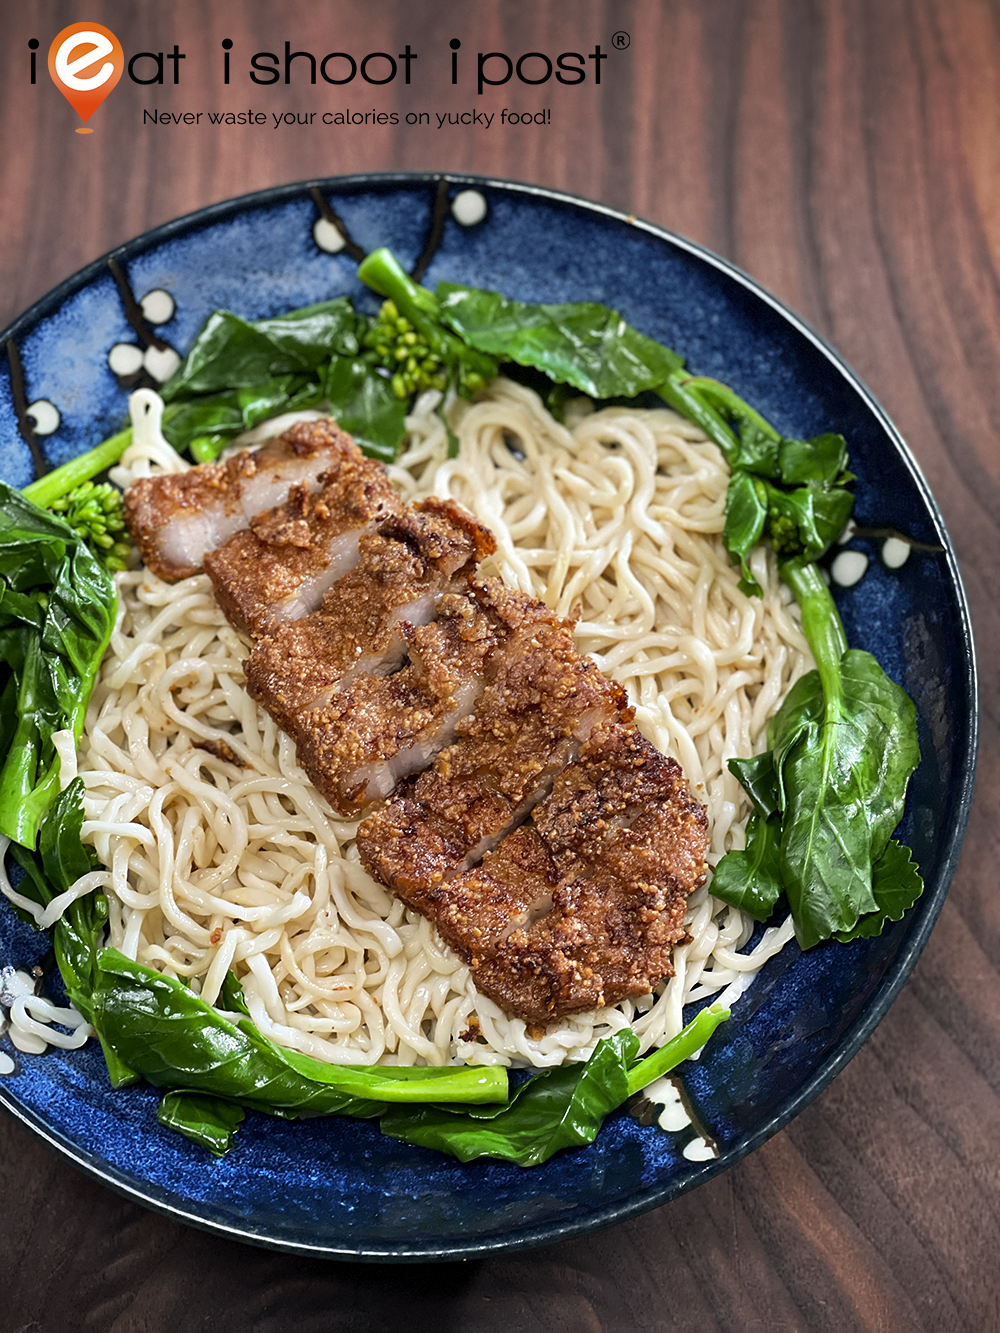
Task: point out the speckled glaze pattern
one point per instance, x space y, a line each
337 1187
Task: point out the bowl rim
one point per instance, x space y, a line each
854 1037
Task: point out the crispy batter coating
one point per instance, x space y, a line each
403 571
175 518
540 703
442 534
377 730
580 907
281 567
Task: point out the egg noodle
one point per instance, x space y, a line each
613 518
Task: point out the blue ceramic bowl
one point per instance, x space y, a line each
337 1187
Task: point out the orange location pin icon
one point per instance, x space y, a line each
85 62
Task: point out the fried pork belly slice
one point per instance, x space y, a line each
379 729
402 573
282 566
175 518
541 702
581 906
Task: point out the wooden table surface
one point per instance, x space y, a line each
844 153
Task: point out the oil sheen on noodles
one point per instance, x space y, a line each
615 518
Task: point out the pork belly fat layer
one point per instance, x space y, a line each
540 703
281 567
581 906
175 518
402 573
380 729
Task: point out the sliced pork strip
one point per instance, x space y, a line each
604 939
175 518
402 573
582 905
541 702
282 566
618 777
476 911
380 729
442 533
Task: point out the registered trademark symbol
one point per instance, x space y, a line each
620 40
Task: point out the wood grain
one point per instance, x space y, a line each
844 152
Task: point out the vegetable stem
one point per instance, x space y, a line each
64 479
206 448
688 1042
160 1029
821 623
382 272
721 396
680 393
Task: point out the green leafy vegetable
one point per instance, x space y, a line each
174 1039
211 1122
65 859
760 781
233 353
830 791
584 344
689 396
790 492
563 1107
239 373
751 879
365 405
821 459
746 514
793 495
206 424
843 747
896 886
61 858
843 761
160 1028
806 520
57 608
